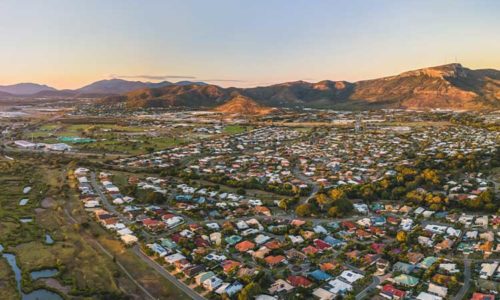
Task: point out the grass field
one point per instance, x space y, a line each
110 138
417 124
236 129
151 280
8 289
81 267
134 146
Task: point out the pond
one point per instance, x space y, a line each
48 239
36 294
45 273
42 294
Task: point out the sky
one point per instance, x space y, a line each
68 44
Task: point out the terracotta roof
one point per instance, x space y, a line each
273 260
244 246
390 290
299 281
480 296
321 245
273 245
310 250
297 222
329 266
229 265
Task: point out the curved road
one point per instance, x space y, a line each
373 285
461 294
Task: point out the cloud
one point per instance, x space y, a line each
175 77
222 80
152 77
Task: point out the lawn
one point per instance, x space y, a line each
236 129
151 280
138 145
111 138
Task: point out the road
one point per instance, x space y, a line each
467 276
111 208
298 174
375 281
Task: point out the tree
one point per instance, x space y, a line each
398 192
414 196
430 176
344 206
485 200
154 197
401 237
249 291
241 191
321 199
337 194
368 192
303 210
283 204
333 212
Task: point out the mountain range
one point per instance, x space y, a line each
449 86
24 88
96 89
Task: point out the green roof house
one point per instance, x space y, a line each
406 280
427 262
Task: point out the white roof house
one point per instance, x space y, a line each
427 296
174 257
449 267
279 286
339 286
437 290
350 276
323 294
58 147
296 239
212 283
129 239
488 269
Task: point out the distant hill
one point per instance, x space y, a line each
4 95
302 93
173 95
98 89
243 105
25 88
116 86
448 87
190 83
120 86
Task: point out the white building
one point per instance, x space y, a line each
350 276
